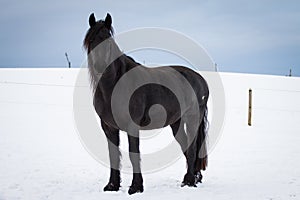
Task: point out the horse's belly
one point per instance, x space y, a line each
153 107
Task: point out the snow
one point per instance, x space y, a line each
41 156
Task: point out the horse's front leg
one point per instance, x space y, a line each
113 140
134 154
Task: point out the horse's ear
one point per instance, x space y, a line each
108 21
92 20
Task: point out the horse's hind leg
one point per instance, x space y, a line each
113 140
180 135
134 155
192 124
201 160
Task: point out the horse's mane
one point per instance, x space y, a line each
94 31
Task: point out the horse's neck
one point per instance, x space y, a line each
127 65
119 60
119 65
102 61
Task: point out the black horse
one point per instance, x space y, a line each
181 93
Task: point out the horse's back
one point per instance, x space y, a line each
196 81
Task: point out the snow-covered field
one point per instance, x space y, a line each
41 156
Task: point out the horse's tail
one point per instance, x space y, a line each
202 161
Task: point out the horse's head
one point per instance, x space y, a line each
100 46
98 32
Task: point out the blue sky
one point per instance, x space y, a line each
257 36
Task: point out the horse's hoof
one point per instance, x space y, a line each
189 180
188 184
135 189
111 187
198 177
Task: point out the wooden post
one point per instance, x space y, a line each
250 108
69 62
